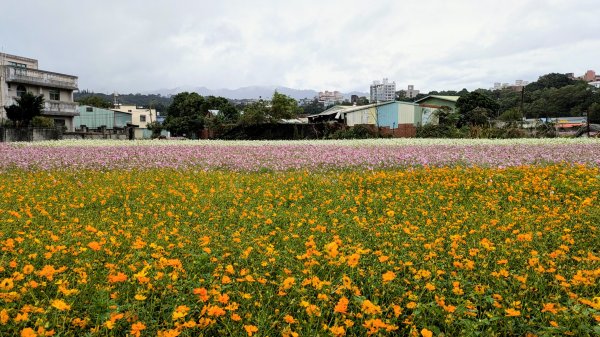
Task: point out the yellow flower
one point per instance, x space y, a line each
180 312
369 308
338 331
60 305
4 316
6 284
139 297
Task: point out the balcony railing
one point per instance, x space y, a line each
40 77
60 108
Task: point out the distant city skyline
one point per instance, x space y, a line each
137 46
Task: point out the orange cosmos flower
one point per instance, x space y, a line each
388 276
136 329
95 246
353 260
119 277
426 333
338 331
512 312
250 329
342 306
550 307
202 293
28 332
289 319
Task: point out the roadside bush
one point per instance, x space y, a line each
355 132
438 131
42 122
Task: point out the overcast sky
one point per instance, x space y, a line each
137 46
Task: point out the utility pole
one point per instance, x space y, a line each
587 120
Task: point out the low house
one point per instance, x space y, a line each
432 103
140 116
398 119
96 118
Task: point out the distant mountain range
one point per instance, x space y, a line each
252 92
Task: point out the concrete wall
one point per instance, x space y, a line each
28 134
88 135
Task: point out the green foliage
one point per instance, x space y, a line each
95 101
155 127
446 116
158 102
254 114
466 104
354 132
42 122
189 111
313 108
511 115
282 107
362 101
438 131
552 80
28 106
594 113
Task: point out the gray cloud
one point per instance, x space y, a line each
134 46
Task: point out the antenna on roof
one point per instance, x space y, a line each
116 99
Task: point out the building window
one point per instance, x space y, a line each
18 65
21 90
89 109
54 94
142 118
59 122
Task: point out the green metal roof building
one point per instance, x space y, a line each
94 118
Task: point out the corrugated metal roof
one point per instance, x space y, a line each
446 98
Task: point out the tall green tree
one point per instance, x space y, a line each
26 108
185 115
594 113
283 107
467 105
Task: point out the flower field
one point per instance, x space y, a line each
300 239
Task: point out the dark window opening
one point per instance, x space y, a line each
54 94
21 90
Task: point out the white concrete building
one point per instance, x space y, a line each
19 75
382 91
140 116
